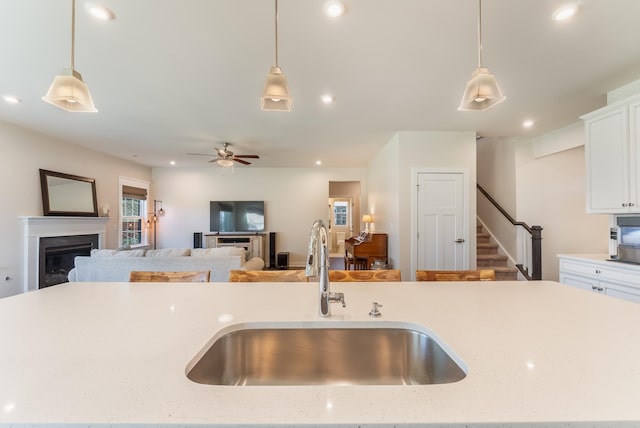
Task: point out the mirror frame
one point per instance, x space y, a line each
46 203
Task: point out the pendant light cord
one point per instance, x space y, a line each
73 32
276 33
479 33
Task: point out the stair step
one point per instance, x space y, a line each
482 238
506 273
491 260
486 248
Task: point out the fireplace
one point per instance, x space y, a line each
57 256
52 242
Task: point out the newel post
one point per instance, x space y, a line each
536 252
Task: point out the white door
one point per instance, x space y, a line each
440 221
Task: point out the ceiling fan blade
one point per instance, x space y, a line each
241 161
248 156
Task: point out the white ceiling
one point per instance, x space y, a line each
171 77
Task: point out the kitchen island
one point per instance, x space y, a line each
111 354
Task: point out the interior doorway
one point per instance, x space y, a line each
341 221
344 212
441 235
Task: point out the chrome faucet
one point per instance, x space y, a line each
318 265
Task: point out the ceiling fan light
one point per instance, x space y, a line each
481 92
225 162
276 95
69 92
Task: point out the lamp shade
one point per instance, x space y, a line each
69 92
276 95
482 91
367 218
225 162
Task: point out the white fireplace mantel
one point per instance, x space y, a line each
36 227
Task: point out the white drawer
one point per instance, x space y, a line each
580 268
630 275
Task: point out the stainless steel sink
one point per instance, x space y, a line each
324 356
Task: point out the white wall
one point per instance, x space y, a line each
497 175
442 150
383 200
294 198
22 154
541 182
551 194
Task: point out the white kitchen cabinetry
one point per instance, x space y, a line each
595 273
252 243
612 158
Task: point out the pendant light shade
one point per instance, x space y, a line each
68 91
482 91
276 95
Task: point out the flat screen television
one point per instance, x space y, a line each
236 216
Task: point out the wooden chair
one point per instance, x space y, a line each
386 275
456 275
358 263
268 276
189 276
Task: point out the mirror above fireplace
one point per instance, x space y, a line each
68 195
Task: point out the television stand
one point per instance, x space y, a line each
254 243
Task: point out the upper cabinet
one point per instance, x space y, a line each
613 158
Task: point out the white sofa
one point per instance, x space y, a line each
115 266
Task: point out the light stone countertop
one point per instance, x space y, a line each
115 354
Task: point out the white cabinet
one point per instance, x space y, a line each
595 274
252 243
612 158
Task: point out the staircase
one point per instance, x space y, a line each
489 258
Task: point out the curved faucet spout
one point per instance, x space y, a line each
318 265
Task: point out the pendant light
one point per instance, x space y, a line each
68 91
482 91
276 95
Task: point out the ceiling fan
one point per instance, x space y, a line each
226 157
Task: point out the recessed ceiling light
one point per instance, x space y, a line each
565 12
334 8
99 12
10 99
327 98
172 162
318 162
528 123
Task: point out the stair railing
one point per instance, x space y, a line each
529 242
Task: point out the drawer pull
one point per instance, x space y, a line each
593 287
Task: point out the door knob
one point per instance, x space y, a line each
459 241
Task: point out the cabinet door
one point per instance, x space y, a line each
634 156
607 151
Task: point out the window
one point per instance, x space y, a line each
133 213
340 213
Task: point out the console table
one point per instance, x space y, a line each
253 243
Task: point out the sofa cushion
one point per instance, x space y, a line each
215 252
168 252
117 253
110 269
